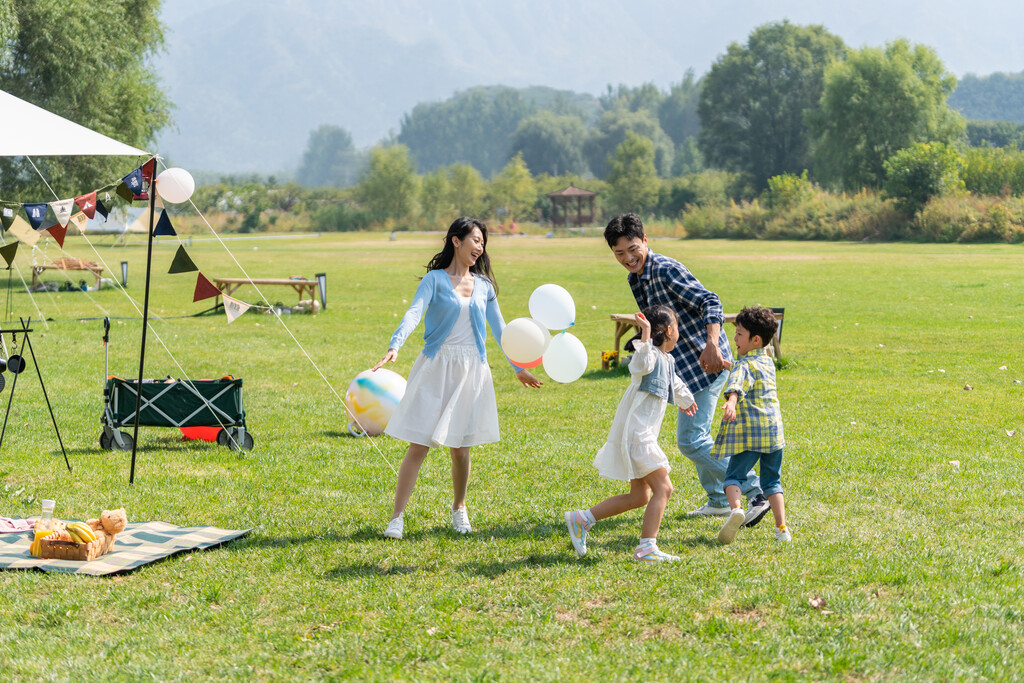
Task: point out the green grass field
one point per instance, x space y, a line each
918 561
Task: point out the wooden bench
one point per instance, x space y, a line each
624 322
68 263
305 288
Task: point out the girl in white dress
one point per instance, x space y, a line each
631 452
449 397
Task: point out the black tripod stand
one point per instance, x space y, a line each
16 364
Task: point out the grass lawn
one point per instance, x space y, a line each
918 560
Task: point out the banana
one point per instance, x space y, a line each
82 531
74 536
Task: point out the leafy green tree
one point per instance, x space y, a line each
995 134
677 112
435 205
473 127
513 189
88 61
922 171
876 103
646 97
389 185
550 143
996 97
467 191
330 159
611 131
754 99
633 178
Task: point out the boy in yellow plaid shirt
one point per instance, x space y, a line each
752 424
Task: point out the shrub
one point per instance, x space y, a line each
922 171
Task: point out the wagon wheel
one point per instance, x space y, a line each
244 444
105 442
128 442
222 437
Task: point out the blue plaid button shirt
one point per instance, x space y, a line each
758 425
666 282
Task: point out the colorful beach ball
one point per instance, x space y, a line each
371 399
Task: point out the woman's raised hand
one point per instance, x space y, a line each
528 380
389 357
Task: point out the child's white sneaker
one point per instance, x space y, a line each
651 553
783 535
728 532
708 510
395 528
575 522
460 521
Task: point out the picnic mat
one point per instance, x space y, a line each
140 543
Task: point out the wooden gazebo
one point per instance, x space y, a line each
564 199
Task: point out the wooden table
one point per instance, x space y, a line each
68 264
624 322
305 288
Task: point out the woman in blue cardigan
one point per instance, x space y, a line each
449 399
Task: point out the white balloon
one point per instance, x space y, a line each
566 358
175 185
553 307
524 340
371 399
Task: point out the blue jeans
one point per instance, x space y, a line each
693 437
771 469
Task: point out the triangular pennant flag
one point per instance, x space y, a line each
62 210
125 193
79 220
8 251
23 231
87 203
204 289
234 308
7 216
148 169
102 210
59 232
182 262
133 181
163 226
36 214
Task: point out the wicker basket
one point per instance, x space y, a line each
80 552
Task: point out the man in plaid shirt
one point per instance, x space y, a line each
701 355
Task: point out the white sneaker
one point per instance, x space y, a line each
460 521
783 535
395 528
728 532
651 553
708 510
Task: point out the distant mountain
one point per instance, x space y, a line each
252 78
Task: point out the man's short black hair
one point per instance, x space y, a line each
760 321
627 225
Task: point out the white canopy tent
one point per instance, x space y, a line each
28 130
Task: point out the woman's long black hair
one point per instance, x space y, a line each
461 227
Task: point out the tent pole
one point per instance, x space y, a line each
145 325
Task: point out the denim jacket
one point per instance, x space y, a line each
436 296
659 380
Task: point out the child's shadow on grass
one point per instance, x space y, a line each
531 561
365 569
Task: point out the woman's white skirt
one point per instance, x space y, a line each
449 401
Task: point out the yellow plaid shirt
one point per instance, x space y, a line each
758 425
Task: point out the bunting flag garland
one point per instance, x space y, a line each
59 232
133 181
62 210
148 169
79 220
87 203
7 217
182 262
234 308
204 289
125 193
8 252
102 210
36 214
163 226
